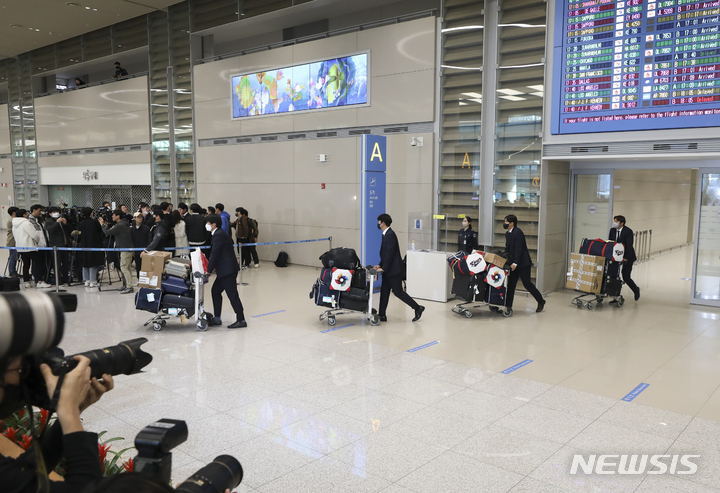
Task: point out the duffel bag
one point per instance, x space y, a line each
324 296
355 294
341 258
348 303
170 301
326 275
9 284
148 300
359 279
463 287
496 296
602 248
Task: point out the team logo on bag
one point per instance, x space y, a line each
495 277
618 252
476 263
341 279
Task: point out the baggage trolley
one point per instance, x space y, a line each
371 313
611 288
464 308
201 316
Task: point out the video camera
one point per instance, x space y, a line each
154 443
32 325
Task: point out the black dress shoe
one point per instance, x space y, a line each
238 325
614 302
215 321
383 318
637 294
418 313
541 305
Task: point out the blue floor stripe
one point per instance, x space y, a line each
423 346
336 328
266 314
635 392
517 367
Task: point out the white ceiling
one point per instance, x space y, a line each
44 22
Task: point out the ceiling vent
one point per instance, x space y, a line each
326 134
395 130
76 152
118 149
588 150
63 153
89 151
104 149
243 140
691 146
296 136
135 148
268 138
50 153
220 142
364 131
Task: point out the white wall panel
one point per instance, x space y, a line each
4 130
212 120
404 47
400 98
121 174
341 167
96 159
326 48
255 163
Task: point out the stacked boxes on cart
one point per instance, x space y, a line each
342 282
596 268
479 277
165 283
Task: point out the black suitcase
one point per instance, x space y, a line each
463 287
355 294
148 300
176 285
613 287
481 288
8 284
359 279
349 303
496 296
180 302
341 258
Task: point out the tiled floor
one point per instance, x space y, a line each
352 411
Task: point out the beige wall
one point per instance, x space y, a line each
553 239
279 184
657 200
402 57
4 130
106 115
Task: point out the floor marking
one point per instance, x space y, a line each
336 328
423 346
518 366
686 278
635 392
266 314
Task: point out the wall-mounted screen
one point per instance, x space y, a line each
329 83
635 65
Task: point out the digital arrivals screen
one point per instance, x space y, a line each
330 83
635 65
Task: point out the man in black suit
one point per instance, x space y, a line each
516 247
223 261
621 234
391 267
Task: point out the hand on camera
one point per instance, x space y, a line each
97 389
101 220
73 393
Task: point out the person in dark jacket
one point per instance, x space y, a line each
119 71
197 235
140 238
521 266
391 267
64 439
123 239
158 233
223 261
467 238
622 234
91 236
58 234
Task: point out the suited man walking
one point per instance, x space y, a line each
223 261
520 269
392 269
622 234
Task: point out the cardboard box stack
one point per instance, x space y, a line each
586 273
491 258
151 271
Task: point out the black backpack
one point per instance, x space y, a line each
282 259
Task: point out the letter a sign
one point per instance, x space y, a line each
466 161
376 154
373 167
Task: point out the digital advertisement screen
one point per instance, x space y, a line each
635 65
327 84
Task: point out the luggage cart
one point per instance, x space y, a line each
464 308
201 316
371 313
611 279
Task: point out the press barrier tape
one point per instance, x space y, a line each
69 249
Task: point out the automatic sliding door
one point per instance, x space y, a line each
706 278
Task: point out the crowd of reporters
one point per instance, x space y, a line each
151 228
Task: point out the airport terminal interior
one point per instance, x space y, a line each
585 134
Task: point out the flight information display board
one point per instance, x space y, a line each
635 65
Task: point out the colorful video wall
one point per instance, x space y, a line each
312 86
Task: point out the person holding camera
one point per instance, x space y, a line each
123 239
91 236
65 439
58 234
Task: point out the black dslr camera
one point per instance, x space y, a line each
154 444
32 325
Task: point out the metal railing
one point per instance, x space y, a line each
92 84
643 245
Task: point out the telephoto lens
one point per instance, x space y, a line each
126 358
225 472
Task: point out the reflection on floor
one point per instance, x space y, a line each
352 411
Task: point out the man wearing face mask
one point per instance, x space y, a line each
467 238
224 262
622 234
58 236
520 269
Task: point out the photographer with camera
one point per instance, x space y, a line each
123 239
158 233
58 234
91 236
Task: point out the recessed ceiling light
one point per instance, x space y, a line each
72 4
87 8
15 25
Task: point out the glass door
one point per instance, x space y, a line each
591 207
706 275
